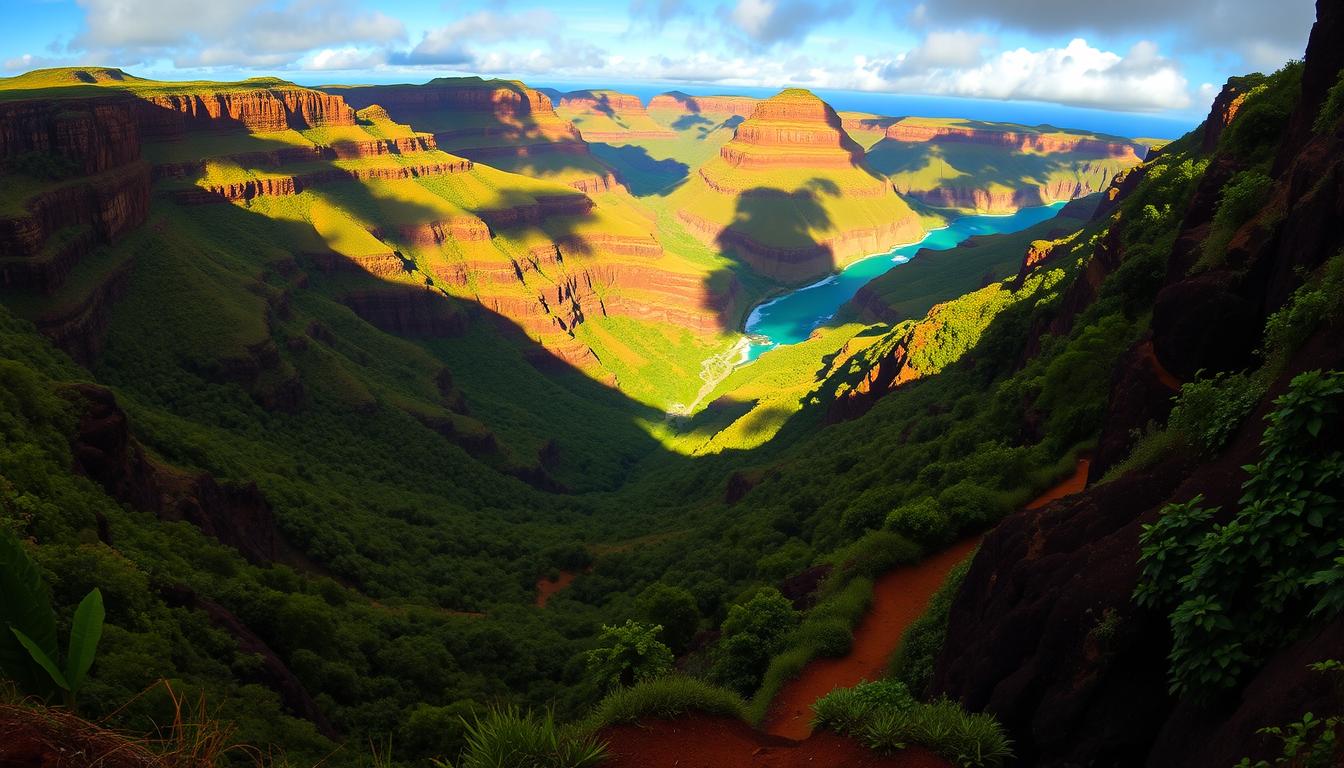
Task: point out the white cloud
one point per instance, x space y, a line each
348 58
1264 34
1077 74
767 22
249 33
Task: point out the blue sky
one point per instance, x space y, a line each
1152 56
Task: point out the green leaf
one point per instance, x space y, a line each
42 659
25 607
85 631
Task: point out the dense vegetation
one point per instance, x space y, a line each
402 597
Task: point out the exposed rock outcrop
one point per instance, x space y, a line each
712 105
1044 633
273 106
794 131
105 450
625 111
918 130
407 311
91 135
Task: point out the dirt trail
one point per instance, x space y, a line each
1067 487
1163 375
899 597
546 588
701 741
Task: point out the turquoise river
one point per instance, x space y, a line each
792 317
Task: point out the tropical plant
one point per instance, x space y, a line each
512 738
629 654
664 698
28 650
753 632
1235 591
885 717
1312 741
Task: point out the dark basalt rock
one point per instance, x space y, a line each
106 452
1200 324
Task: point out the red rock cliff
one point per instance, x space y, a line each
263 109
916 131
714 105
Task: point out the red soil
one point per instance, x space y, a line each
546 587
1072 484
701 741
1163 375
899 597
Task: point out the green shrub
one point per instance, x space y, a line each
629 654
664 699
1242 197
505 738
1332 108
922 520
1312 303
1235 592
1314 741
874 554
1255 132
832 639
752 633
886 718
1208 411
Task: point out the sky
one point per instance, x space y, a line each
1150 56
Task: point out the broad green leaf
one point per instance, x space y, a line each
85 631
24 605
42 659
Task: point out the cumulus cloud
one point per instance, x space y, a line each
250 33
767 22
1264 34
473 43
939 50
1076 74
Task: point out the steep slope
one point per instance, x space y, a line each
991 167
790 196
503 122
1094 673
356 192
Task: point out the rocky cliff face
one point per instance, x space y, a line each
711 105
263 109
916 131
92 136
1088 180
794 129
80 162
623 110
1044 633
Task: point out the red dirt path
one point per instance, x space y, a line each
546 587
899 597
1067 487
701 741
1163 375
